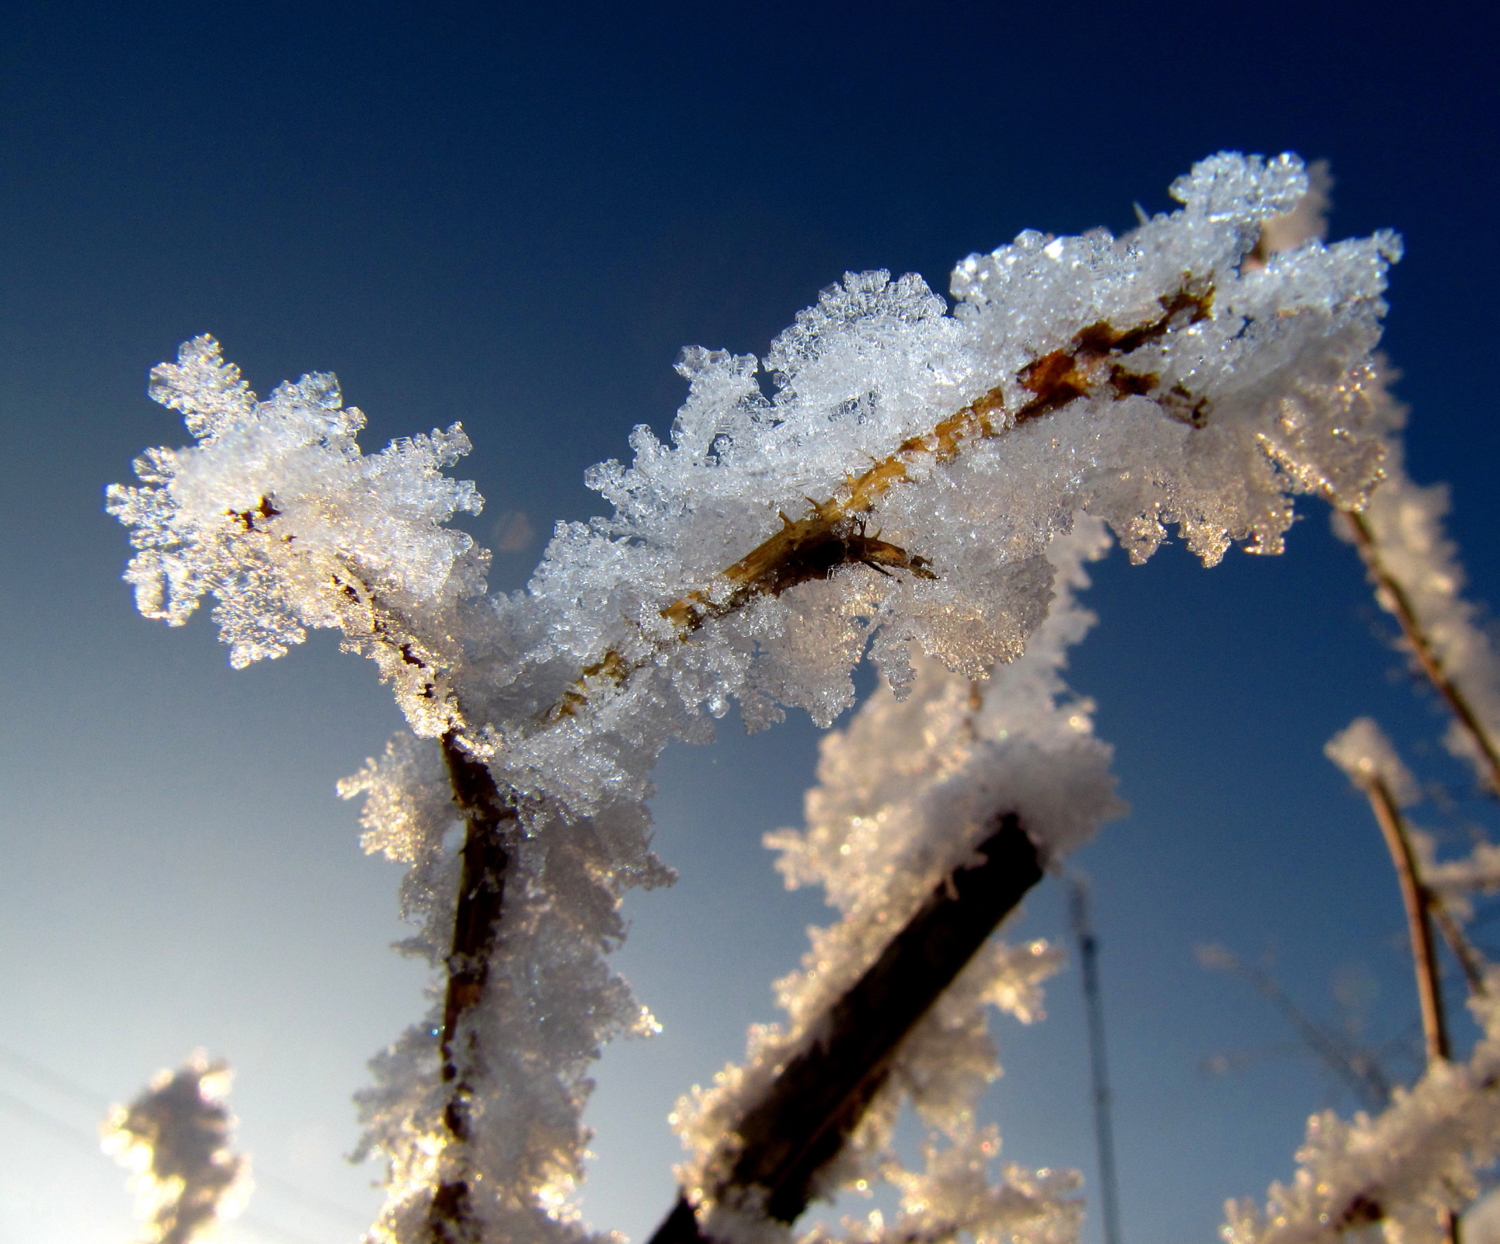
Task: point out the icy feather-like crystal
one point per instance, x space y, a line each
277 514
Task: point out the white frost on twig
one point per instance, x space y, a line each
904 793
277 514
1366 755
1406 525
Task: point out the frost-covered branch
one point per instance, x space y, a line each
175 1137
1448 639
820 1095
905 795
1161 378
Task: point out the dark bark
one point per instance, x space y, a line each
822 1093
488 825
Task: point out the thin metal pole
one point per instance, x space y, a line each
1104 1134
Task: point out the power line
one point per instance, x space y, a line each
99 1102
80 1138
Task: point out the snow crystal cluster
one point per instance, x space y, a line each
1405 1168
175 1139
892 480
905 793
277 515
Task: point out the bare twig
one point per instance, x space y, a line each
822 1093
1359 1069
1421 646
1418 916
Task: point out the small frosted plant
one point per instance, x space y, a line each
175 1138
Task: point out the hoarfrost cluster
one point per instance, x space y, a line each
175 1138
277 515
1403 1169
897 479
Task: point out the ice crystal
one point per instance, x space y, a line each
277 515
1403 1169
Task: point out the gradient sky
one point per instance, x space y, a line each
516 216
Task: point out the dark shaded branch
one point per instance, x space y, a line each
822 1093
488 822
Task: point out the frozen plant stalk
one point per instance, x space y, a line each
1153 380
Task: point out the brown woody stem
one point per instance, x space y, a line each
1419 910
1418 917
488 825
822 1093
1421 647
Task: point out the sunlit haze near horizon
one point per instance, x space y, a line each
515 217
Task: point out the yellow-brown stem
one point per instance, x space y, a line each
831 534
1418 917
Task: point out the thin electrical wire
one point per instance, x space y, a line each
77 1137
99 1102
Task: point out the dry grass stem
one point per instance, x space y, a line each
1421 647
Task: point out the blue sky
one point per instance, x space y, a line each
516 216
